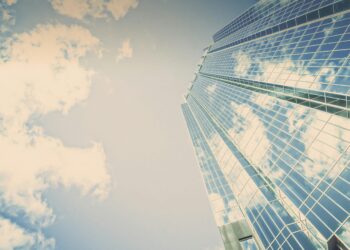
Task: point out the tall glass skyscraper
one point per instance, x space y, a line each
269 116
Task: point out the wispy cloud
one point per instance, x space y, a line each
125 51
80 9
41 73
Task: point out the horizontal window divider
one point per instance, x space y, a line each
307 18
331 103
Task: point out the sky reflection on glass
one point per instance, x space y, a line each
276 89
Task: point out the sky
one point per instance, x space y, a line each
96 154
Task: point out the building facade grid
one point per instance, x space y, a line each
269 116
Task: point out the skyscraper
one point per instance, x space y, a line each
269 116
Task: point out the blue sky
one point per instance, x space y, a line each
107 161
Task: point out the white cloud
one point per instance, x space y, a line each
292 73
51 77
284 71
126 51
73 8
217 202
296 117
80 9
119 8
41 73
211 89
243 63
12 236
327 147
10 2
264 101
327 73
344 234
250 134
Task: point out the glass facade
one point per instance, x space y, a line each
269 116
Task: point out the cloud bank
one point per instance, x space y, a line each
79 9
40 73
